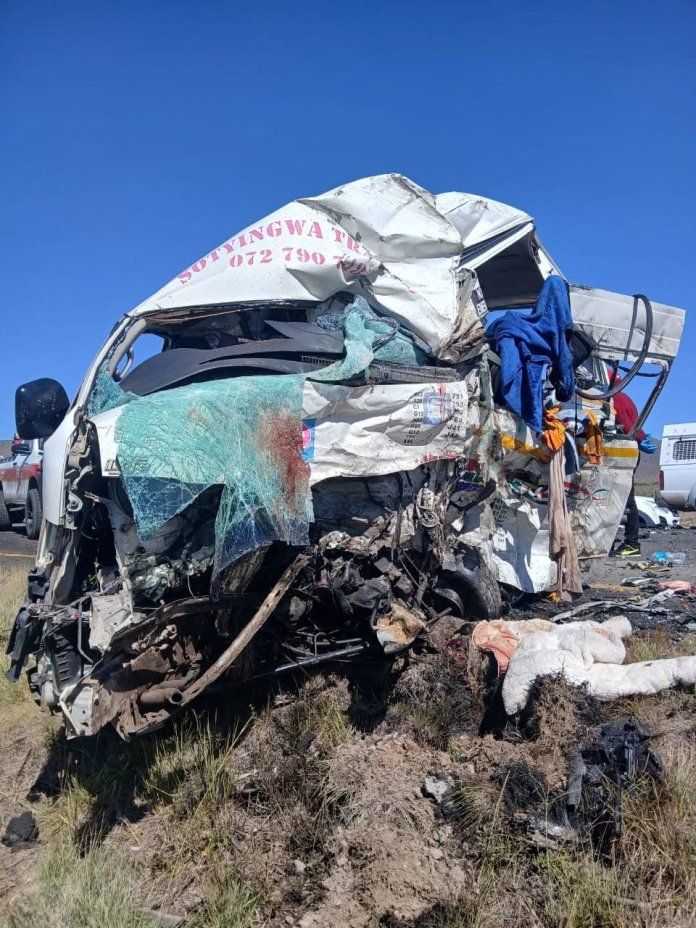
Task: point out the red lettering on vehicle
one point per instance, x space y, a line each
295 226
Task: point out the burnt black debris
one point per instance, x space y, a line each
21 830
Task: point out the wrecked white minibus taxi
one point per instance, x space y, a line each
372 408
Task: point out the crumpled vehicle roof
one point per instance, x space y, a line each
384 237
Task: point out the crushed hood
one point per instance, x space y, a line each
410 252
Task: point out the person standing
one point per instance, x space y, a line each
626 416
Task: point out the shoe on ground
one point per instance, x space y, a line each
627 549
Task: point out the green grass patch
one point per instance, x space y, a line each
96 891
656 644
13 588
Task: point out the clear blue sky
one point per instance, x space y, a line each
138 134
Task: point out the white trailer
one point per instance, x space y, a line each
678 465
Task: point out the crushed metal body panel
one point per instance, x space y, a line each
325 385
409 252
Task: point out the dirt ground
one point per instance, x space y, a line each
612 570
383 798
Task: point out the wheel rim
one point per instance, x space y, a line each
29 517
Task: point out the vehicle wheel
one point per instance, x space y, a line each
475 586
5 521
33 514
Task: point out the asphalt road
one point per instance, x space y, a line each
16 549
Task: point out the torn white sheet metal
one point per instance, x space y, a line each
596 499
110 614
105 424
402 247
382 429
513 524
617 327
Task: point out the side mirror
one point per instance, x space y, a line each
20 447
40 407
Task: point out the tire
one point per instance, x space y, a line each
476 586
33 514
5 520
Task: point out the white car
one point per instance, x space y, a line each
655 513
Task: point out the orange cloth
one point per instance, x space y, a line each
497 638
594 443
553 434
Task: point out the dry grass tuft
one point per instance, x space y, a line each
287 766
191 769
656 644
13 589
13 696
91 892
434 702
228 903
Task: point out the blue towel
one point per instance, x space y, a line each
531 343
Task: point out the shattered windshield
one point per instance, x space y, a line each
220 407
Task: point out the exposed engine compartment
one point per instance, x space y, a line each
140 626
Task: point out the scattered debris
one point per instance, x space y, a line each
637 581
437 788
618 755
20 831
654 570
679 586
